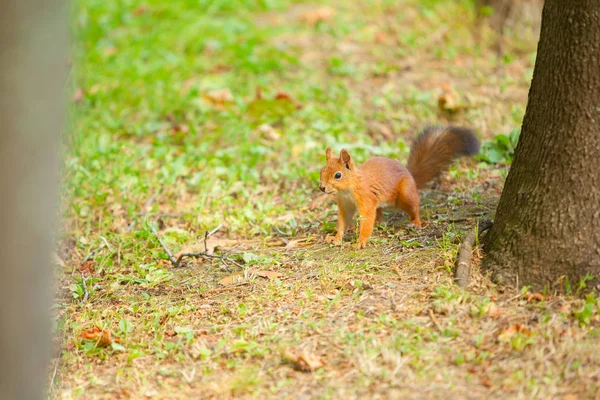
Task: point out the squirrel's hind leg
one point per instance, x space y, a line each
408 199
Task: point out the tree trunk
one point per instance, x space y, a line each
32 80
547 226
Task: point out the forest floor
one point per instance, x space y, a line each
205 124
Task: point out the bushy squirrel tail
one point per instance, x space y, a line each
436 147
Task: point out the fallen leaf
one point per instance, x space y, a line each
88 268
110 51
183 128
212 244
449 101
493 311
534 296
305 361
220 68
268 132
275 243
249 273
102 337
375 129
380 37
281 105
281 95
485 381
141 10
187 84
294 243
219 97
564 308
321 14
570 397
512 330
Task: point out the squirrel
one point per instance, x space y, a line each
383 182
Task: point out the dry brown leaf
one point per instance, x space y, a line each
103 337
493 311
380 37
231 279
141 10
220 68
375 128
564 308
512 330
219 97
187 85
534 296
281 95
450 101
321 14
183 128
88 268
268 132
249 273
275 243
110 51
212 244
487 382
305 361
295 243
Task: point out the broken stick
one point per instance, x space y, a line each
463 261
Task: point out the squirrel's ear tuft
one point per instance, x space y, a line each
346 159
328 153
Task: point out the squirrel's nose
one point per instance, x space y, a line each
322 188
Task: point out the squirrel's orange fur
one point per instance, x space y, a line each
383 182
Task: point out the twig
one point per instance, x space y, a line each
440 217
93 252
86 294
395 267
204 254
147 204
463 261
164 246
159 215
434 320
54 373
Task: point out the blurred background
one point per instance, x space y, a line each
215 103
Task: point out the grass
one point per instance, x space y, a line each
167 132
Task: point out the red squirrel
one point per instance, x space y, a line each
383 182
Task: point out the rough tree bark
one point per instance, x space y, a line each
547 225
32 71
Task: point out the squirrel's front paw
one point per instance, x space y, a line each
361 245
333 239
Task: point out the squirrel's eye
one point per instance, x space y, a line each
338 175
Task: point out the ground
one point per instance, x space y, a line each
205 123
